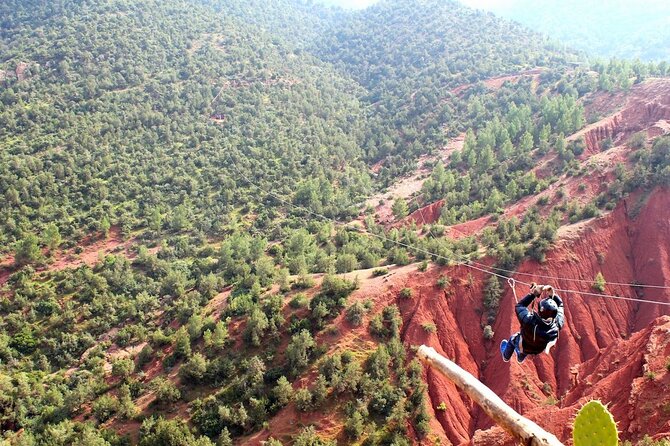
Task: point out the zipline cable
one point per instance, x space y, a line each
469 264
417 249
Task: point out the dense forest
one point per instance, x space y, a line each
228 143
622 29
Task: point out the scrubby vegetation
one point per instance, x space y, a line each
224 158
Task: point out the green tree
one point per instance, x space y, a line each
52 237
155 220
216 340
161 432
400 208
257 326
105 226
346 263
319 391
303 400
182 346
195 369
308 437
27 251
354 426
283 391
166 392
299 350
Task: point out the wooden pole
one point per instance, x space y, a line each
524 430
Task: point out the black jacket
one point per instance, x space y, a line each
536 334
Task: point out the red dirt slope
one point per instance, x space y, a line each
646 107
623 248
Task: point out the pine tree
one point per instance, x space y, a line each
400 208
27 250
52 237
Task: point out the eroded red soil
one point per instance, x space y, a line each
645 107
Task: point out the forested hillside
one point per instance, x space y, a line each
179 181
622 29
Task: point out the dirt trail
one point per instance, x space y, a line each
408 186
495 83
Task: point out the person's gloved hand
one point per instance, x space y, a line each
549 289
535 289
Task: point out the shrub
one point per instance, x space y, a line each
300 300
386 325
492 294
399 256
638 140
355 313
122 368
303 282
443 281
429 327
377 272
145 355
406 293
309 437
105 407
442 406
599 282
606 144
488 332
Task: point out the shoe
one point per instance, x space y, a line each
505 350
520 357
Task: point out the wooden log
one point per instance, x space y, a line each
521 428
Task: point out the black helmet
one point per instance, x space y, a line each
548 309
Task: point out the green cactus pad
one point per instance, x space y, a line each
595 426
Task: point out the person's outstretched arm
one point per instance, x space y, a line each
560 316
522 311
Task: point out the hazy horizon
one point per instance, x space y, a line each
349 4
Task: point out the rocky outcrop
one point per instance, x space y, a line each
647 108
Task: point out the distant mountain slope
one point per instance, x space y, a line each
124 90
410 54
624 29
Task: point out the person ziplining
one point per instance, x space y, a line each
539 330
